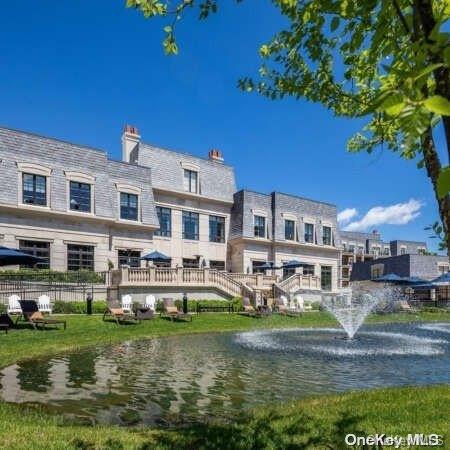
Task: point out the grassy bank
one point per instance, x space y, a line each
315 423
26 343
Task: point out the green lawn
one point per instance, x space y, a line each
314 423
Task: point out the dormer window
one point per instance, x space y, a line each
128 206
34 184
326 235
80 191
34 189
80 196
190 181
260 227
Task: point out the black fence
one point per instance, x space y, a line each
21 279
56 293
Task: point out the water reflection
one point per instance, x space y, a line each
190 378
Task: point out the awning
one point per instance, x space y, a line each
12 257
156 257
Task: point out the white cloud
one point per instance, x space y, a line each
398 214
346 215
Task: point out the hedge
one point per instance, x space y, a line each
82 276
98 307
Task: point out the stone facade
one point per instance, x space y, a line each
426 267
249 248
207 223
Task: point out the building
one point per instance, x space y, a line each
426 267
79 209
367 247
279 228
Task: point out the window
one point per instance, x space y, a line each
128 206
218 265
421 251
130 258
80 257
309 233
325 278
260 227
443 268
308 269
165 221
189 263
376 251
288 272
289 230
34 189
360 249
386 251
326 235
190 181
190 225
344 246
256 266
39 249
80 196
402 250
216 229
351 248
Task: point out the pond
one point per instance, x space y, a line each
190 378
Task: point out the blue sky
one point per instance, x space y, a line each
80 70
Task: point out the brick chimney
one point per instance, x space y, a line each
130 141
215 155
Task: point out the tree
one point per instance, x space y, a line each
387 60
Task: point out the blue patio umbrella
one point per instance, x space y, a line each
12 257
390 278
442 280
413 280
156 257
269 265
292 264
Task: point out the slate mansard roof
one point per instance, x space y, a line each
60 156
216 179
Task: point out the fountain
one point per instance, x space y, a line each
351 307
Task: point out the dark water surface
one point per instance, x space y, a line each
192 378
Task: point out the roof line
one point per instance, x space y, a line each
42 136
188 154
288 195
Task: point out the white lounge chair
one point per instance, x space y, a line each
127 304
150 302
299 302
14 305
44 304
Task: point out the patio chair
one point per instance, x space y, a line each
127 304
14 305
6 323
403 306
44 304
280 306
248 309
32 315
171 311
120 316
147 310
150 302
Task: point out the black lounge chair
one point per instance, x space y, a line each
33 316
5 322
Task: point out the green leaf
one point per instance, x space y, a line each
438 105
427 70
334 23
443 182
168 29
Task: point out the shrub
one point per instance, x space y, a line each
46 275
316 306
192 304
98 307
